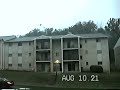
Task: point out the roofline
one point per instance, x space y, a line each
61 36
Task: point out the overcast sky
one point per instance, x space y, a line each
18 17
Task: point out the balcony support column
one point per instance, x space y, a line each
51 61
79 54
62 53
34 55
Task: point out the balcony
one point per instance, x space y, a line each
71 55
43 45
43 56
42 48
70 44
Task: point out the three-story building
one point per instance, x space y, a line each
74 52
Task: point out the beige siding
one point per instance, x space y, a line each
56 52
91 56
1 54
88 53
25 59
105 55
117 57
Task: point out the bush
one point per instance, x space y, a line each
96 69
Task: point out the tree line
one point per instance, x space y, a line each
112 29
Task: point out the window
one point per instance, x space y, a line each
19 54
57 54
29 54
80 45
29 64
19 43
97 40
86 63
99 51
10 55
86 51
10 44
81 69
19 65
9 65
68 44
29 43
81 57
85 41
99 63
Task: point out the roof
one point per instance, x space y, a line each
22 39
95 35
117 44
5 38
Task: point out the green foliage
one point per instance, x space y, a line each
96 69
78 28
113 29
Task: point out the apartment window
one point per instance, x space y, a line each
97 40
86 63
81 57
19 43
85 41
29 64
10 55
29 54
80 45
10 44
19 65
99 51
99 63
57 54
29 43
68 44
9 65
19 54
86 51
81 69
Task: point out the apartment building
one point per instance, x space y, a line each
74 53
2 40
117 54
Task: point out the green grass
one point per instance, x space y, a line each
41 80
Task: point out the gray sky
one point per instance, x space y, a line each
18 17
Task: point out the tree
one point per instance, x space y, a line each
113 29
49 31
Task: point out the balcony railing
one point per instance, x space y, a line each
42 59
43 47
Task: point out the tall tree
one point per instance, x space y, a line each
113 29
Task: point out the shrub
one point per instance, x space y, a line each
96 69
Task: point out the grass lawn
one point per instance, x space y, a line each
37 80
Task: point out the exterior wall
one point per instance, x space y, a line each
117 57
91 55
1 54
88 53
105 55
25 49
56 52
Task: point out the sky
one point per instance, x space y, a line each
18 17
